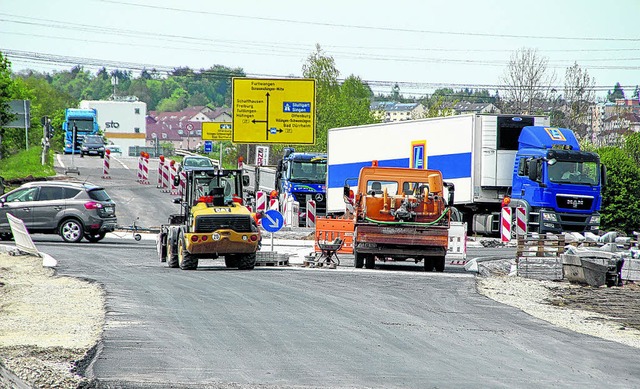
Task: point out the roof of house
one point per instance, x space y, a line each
392 106
629 116
466 106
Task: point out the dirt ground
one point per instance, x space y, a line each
621 304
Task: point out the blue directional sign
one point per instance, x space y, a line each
272 220
292 106
208 146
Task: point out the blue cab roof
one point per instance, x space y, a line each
541 137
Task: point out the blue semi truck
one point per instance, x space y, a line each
493 161
84 121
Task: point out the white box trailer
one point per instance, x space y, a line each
466 148
123 123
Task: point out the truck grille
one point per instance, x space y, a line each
321 205
210 223
574 202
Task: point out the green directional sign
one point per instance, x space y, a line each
216 131
274 111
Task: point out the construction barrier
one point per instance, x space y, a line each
457 248
331 229
261 201
144 174
172 178
521 221
106 164
183 182
290 210
165 176
139 173
505 224
273 204
160 170
311 214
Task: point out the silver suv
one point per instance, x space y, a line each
72 210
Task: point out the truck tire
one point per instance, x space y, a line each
428 263
369 261
172 255
247 262
161 246
439 264
186 260
359 260
231 260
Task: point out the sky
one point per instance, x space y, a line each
419 44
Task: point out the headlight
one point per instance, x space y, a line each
595 219
101 149
549 217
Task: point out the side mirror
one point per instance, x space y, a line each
346 190
451 189
603 176
279 165
245 180
533 169
176 180
176 200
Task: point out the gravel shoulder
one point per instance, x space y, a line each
50 325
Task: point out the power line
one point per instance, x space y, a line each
376 28
33 57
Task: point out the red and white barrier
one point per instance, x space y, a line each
311 214
521 221
261 201
160 170
165 176
183 182
505 224
139 174
273 204
172 178
106 164
144 175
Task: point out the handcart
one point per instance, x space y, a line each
328 255
136 230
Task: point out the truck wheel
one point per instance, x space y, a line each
439 263
369 261
359 260
172 256
185 260
428 264
247 262
231 260
161 246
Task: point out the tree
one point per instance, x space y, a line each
579 92
621 195
6 84
636 92
526 80
618 93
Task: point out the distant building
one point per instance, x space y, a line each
183 129
122 121
465 107
387 111
615 126
607 121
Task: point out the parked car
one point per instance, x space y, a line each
92 145
195 161
114 150
72 210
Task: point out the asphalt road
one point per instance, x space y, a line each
298 327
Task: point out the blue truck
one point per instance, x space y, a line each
84 121
299 176
493 161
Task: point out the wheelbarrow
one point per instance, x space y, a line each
328 255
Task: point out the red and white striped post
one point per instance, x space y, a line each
166 168
521 221
505 224
139 179
160 170
311 214
172 179
145 168
183 182
261 201
106 163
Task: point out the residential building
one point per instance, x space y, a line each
465 107
387 111
183 129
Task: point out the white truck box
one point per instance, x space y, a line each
464 147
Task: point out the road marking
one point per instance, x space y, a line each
60 160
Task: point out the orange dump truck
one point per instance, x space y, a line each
401 214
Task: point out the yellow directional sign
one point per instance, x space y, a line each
274 111
217 131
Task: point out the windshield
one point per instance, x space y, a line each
207 182
309 171
572 172
82 125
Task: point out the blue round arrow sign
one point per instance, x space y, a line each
272 220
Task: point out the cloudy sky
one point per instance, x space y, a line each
419 44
